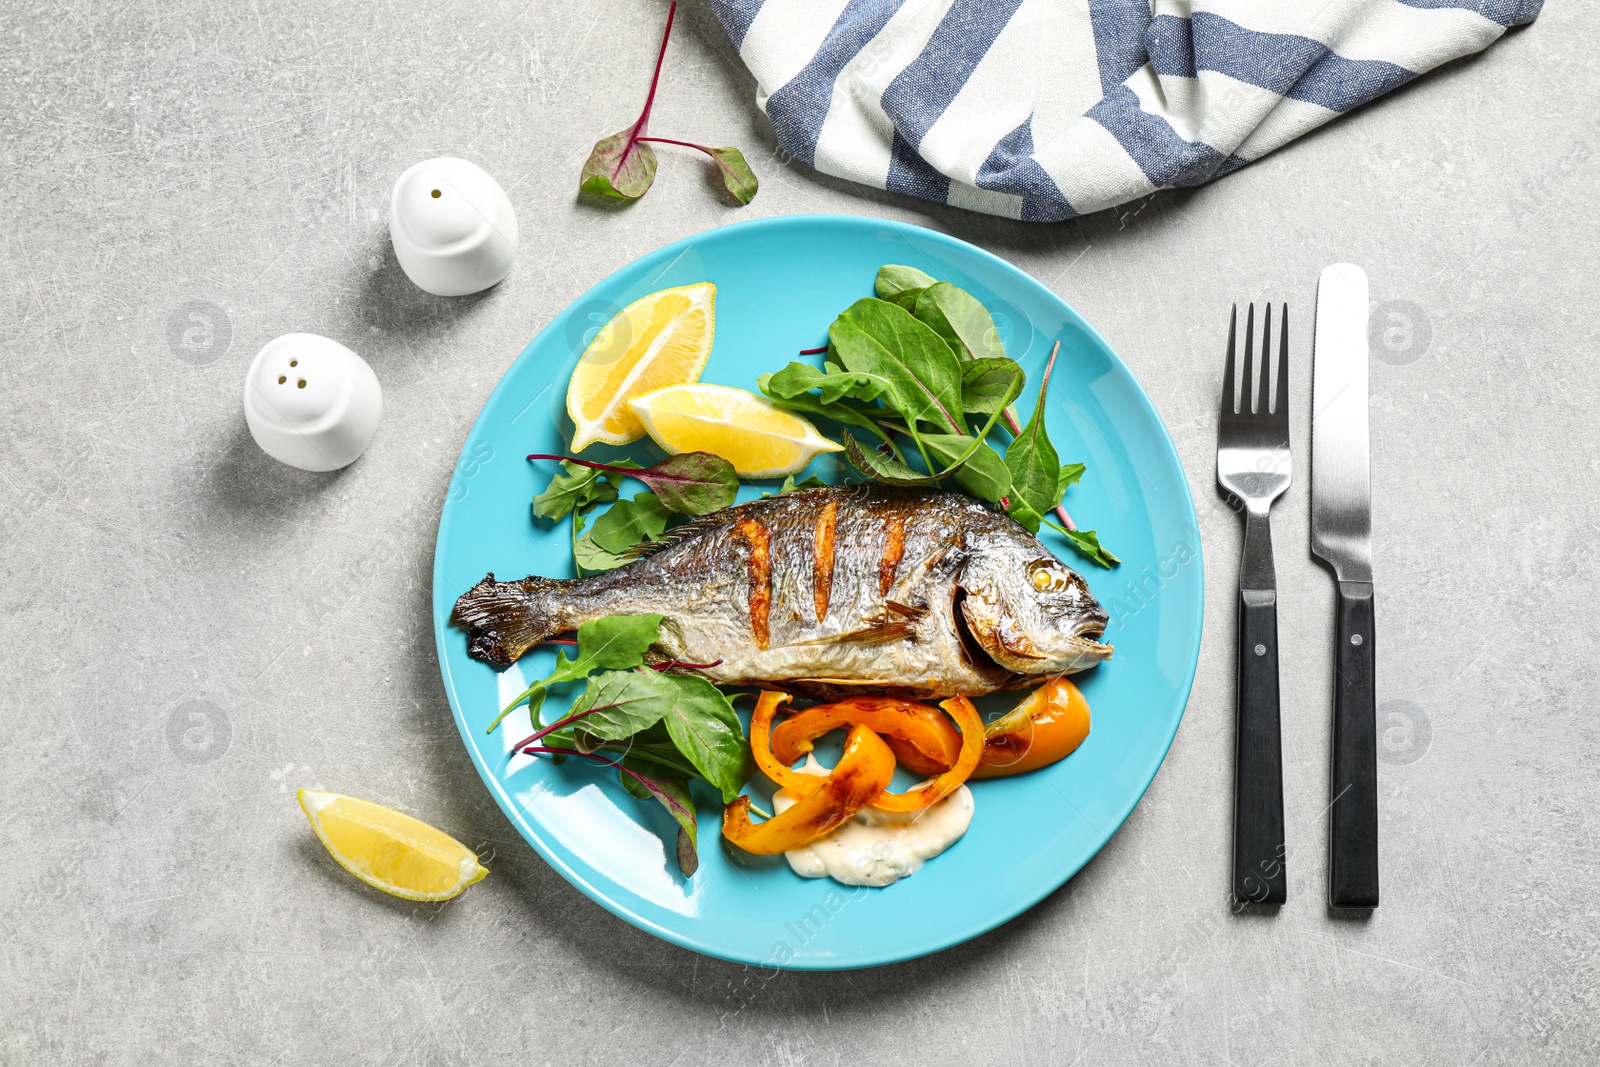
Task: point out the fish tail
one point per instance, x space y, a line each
505 619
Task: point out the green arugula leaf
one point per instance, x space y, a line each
790 485
900 284
990 384
706 730
535 705
573 487
879 467
614 642
587 555
1020 511
620 167
737 177
833 384
1070 473
628 522
982 472
965 324
923 375
812 404
840 412
1086 542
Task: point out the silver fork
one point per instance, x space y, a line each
1253 465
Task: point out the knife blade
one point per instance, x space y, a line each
1341 534
1341 484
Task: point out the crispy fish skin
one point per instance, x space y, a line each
827 592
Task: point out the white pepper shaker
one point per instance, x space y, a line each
453 228
311 402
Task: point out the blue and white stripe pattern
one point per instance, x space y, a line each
1049 109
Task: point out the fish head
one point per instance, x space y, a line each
1027 611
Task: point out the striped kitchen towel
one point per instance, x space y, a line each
1049 109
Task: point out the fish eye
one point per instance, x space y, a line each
1048 576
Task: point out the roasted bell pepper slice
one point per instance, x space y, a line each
864 768
934 789
922 738
761 746
917 761
1048 725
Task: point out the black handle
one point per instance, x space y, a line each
1353 818
1258 845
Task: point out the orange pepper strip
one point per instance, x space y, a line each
761 746
936 789
916 761
913 799
1048 725
921 736
863 770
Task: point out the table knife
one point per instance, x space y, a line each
1341 535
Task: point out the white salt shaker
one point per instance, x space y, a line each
311 402
452 226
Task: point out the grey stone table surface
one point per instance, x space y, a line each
185 181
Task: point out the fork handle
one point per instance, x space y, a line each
1353 819
1258 845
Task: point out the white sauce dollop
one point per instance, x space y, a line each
879 847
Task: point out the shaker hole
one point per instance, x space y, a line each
281 379
301 384
294 363
436 194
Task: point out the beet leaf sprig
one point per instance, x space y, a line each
623 166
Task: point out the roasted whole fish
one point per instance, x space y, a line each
827 592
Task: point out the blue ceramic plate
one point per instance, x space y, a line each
780 282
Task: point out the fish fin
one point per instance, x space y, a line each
878 630
907 610
505 619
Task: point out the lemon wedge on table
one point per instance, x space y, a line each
402 856
760 440
658 340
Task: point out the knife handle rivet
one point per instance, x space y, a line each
1261 650
1355 639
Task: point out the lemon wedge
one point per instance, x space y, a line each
760 440
658 340
389 851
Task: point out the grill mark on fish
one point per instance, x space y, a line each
822 556
894 546
755 535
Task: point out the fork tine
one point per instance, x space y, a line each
1265 396
1229 407
1248 385
1281 407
